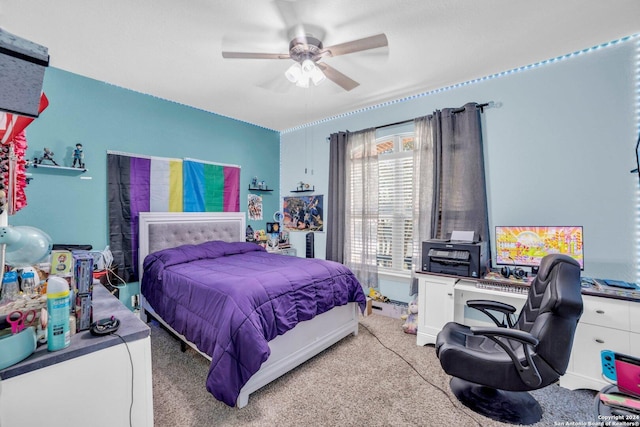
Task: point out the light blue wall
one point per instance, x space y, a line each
558 151
105 117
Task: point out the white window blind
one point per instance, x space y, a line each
395 204
395 222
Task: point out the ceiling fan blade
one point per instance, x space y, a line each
250 55
287 11
337 77
290 18
366 43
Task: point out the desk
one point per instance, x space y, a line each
608 322
88 383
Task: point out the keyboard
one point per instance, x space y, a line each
504 285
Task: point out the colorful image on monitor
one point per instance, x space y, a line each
527 245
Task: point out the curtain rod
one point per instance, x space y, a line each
459 110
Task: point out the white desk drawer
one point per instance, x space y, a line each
634 317
634 345
588 341
607 312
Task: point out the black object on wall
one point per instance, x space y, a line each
22 65
310 246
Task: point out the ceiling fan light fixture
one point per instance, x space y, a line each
303 81
308 66
294 73
317 76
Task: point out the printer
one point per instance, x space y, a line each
456 258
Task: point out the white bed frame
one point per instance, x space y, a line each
161 230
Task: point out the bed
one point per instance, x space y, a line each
277 338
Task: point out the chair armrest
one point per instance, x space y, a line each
528 373
514 334
486 305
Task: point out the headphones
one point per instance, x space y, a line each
105 326
517 272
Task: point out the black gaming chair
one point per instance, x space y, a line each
494 367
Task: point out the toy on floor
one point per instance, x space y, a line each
377 296
410 325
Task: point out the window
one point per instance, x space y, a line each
395 202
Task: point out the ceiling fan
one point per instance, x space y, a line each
307 51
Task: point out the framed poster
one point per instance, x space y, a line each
255 207
273 227
302 213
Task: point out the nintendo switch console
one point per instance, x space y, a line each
622 369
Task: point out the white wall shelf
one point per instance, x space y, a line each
60 168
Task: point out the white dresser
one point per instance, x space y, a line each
606 324
100 381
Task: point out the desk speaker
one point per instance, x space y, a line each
310 245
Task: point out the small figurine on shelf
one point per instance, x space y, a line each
303 186
254 182
47 156
249 234
78 156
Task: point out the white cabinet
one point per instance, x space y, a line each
605 324
98 381
435 306
110 387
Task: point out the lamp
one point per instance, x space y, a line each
24 245
21 245
301 73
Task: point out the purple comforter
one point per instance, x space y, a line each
230 299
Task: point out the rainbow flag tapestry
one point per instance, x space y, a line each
211 187
156 184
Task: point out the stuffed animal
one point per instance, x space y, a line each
410 325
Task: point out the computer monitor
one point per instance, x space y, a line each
526 245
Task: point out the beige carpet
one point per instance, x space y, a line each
357 382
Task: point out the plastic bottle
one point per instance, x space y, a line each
10 289
58 335
28 283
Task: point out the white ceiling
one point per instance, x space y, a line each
172 49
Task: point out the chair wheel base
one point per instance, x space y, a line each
515 407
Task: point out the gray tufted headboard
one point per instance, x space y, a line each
162 230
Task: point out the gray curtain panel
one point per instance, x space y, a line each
334 217
450 190
424 174
462 188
